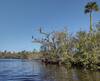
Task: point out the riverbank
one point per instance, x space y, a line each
73 64
50 61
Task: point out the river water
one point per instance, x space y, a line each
25 70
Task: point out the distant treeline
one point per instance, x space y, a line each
20 55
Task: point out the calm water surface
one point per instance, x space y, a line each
25 70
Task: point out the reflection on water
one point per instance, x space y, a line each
25 70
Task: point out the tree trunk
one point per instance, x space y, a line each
91 22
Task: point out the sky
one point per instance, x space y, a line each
20 19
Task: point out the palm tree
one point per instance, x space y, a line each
89 8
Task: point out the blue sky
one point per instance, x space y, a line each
19 20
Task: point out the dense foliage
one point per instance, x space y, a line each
81 49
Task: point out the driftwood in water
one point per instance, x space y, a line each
46 61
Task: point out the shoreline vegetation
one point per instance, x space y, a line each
60 47
81 50
20 55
